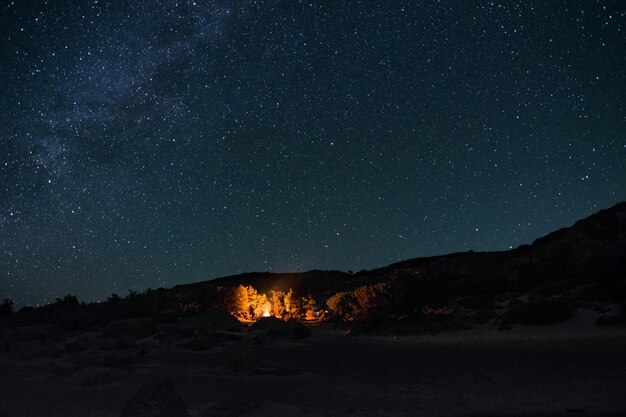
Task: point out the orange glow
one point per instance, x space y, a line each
247 304
267 309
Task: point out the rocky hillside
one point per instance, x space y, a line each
592 250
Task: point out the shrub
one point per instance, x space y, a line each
360 302
6 307
341 305
69 300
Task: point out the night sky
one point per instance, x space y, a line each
153 143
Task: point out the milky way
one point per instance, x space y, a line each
147 144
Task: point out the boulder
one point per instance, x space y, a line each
39 333
131 328
298 330
215 319
273 326
278 328
156 400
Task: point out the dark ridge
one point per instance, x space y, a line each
592 250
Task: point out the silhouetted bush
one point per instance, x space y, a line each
69 300
6 307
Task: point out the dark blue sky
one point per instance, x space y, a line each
161 142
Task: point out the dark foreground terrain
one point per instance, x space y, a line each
573 368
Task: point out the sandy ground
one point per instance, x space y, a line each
573 368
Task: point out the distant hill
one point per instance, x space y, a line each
592 250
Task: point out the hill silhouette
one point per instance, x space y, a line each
591 250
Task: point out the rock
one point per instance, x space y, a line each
273 370
39 333
131 328
183 330
542 311
57 369
111 343
478 302
81 343
232 408
273 326
278 328
593 291
215 319
5 342
121 358
299 330
100 378
608 320
204 340
483 316
156 400
166 317
29 351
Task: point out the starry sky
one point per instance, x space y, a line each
152 143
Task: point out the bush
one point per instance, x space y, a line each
361 302
6 307
69 300
341 305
